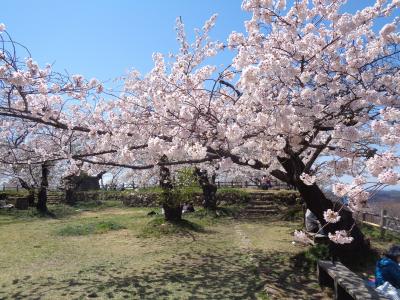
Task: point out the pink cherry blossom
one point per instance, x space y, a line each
340 237
331 216
301 237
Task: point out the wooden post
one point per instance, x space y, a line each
232 183
219 184
17 188
383 222
364 215
323 277
246 184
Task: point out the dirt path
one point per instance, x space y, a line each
270 251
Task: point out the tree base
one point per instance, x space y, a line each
172 214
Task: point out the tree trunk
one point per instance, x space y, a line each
70 196
209 189
172 208
42 196
31 191
318 203
31 198
41 204
172 213
209 194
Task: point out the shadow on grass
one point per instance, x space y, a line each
203 274
286 279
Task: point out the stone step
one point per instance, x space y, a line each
255 202
261 208
260 211
262 197
252 216
262 203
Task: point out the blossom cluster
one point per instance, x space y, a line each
301 237
340 237
331 216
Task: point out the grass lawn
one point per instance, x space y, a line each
107 252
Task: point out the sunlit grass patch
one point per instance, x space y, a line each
89 228
200 257
159 227
57 211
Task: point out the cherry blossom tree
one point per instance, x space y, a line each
320 83
312 93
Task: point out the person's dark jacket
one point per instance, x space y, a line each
387 270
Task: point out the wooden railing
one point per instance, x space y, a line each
381 220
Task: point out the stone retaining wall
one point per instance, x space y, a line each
224 197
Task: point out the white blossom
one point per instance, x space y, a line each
301 237
331 216
307 179
340 237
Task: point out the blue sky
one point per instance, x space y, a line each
105 39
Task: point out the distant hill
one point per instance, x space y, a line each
386 196
388 200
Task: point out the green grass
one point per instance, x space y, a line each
293 213
235 191
159 227
14 215
202 258
374 234
221 212
98 205
89 228
14 193
263 296
307 260
57 211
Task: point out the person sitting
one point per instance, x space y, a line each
388 269
268 183
3 204
187 208
263 183
190 207
312 224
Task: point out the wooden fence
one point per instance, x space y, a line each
381 220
